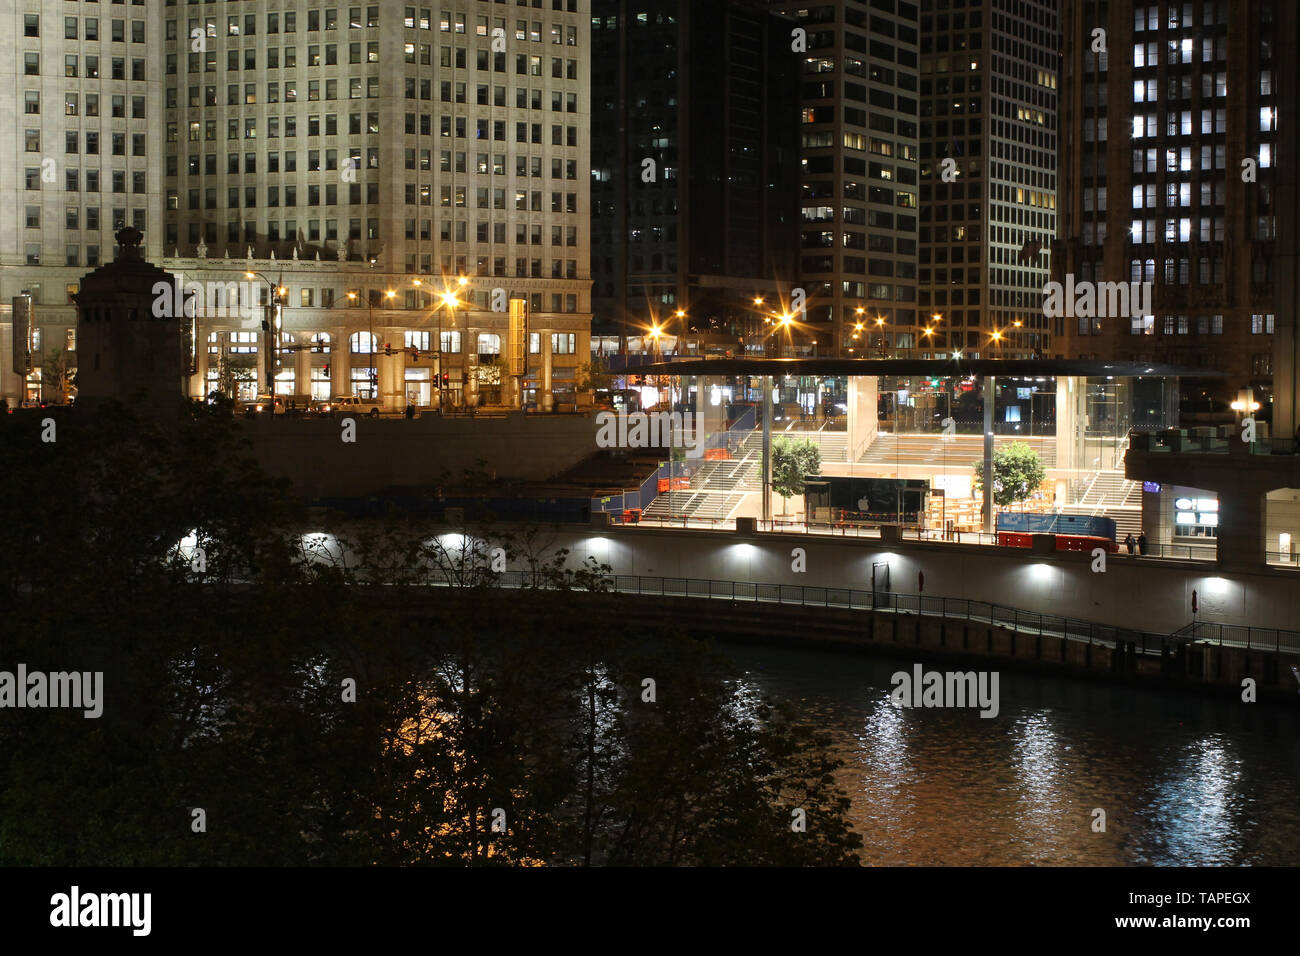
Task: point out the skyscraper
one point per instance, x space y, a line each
988 175
359 160
1170 152
860 142
695 176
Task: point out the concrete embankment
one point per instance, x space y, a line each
1196 668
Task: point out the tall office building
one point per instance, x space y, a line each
695 175
84 102
1171 158
350 165
988 175
859 170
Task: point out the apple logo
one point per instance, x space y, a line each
864 504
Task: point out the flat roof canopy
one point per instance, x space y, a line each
949 367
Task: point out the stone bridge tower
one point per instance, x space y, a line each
134 342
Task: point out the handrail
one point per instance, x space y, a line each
1020 620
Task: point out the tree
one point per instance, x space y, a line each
594 376
58 379
231 371
1017 473
228 672
792 460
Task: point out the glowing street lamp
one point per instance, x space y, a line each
271 326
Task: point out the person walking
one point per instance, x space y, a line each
410 411
1142 542
1130 543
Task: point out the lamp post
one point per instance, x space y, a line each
449 300
271 331
389 294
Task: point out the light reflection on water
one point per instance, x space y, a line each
1182 780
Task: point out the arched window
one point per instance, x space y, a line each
363 343
320 342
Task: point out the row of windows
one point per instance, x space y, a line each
32 25
72 180
116 30
117 105
72 65
206 130
72 218
1171 325
328 19
525 64
32 98
73 141
485 164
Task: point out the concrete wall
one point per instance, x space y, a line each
393 452
1055 584
1282 517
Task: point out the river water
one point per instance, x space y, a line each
1182 780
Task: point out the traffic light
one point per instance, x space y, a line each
415 355
388 348
446 379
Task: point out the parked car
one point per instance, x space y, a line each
262 405
351 405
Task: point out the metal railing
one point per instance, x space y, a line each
1018 620
795 525
1238 635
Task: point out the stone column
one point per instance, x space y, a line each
863 409
390 369
302 367
986 490
548 400
710 418
340 363
1241 527
198 381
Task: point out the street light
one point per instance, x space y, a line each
271 325
450 302
389 294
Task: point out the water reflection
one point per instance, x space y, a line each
1182 780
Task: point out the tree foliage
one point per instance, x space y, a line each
58 377
1018 472
793 460
489 726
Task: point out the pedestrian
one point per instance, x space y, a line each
1142 542
410 411
1130 543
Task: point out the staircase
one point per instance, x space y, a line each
717 487
833 445
1110 494
935 450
